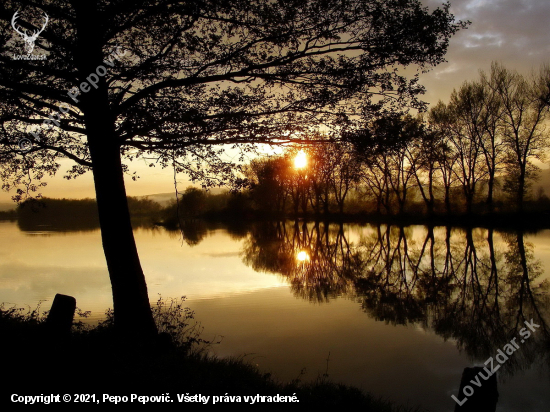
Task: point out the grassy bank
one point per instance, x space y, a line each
91 360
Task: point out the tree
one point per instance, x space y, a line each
345 172
524 114
466 109
267 179
425 158
371 147
440 124
492 145
190 77
319 172
193 202
478 116
332 172
386 151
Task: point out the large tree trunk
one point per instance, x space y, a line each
130 299
132 310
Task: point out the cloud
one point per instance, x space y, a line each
513 32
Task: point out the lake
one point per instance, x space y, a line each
398 312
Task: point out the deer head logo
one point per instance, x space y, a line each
29 40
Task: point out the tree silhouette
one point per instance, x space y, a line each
524 114
189 77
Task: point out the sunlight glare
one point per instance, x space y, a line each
300 161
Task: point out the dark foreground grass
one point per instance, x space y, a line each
94 361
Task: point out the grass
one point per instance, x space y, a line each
91 360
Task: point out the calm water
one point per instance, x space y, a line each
397 312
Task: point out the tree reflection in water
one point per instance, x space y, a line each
317 260
474 286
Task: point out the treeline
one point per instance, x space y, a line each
8 215
80 214
196 203
476 154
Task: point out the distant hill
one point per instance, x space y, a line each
544 182
5 206
164 199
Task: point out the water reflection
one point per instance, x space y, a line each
475 286
194 231
323 273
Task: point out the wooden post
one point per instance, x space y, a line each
60 318
484 397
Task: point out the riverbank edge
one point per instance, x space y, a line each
94 361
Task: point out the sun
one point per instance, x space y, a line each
300 161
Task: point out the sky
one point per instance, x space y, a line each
512 32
